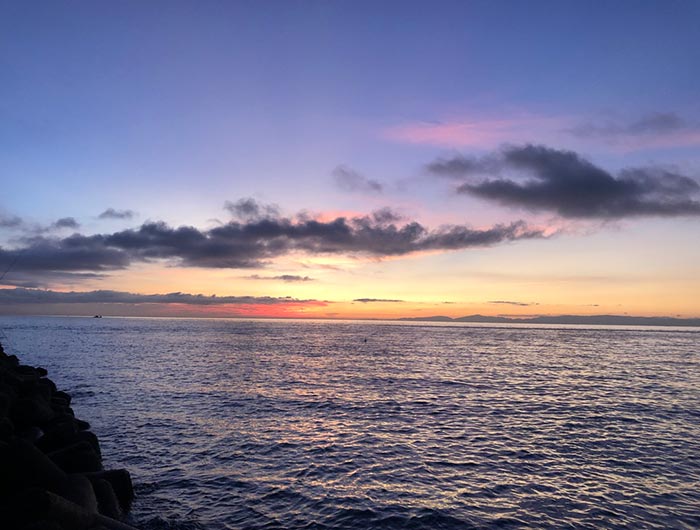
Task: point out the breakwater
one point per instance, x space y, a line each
51 473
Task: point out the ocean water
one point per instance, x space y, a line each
228 424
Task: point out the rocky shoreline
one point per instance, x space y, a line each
51 473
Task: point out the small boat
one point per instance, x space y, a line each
97 316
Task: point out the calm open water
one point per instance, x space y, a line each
230 424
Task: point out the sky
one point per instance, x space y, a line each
350 159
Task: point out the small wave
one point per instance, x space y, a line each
159 523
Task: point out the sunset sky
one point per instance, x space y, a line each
350 159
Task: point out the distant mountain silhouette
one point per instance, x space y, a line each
603 320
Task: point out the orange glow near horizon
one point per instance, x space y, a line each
574 274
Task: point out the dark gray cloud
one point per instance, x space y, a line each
21 295
42 258
369 300
656 123
10 221
251 243
546 179
29 228
460 166
386 216
251 210
348 179
111 213
283 277
508 302
43 279
66 222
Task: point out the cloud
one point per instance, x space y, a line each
386 215
252 243
653 130
249 209
21 295
508 302
66 222
28 228
73 253
10 221
476 132
369 300
546 179
36 279
283 277
656 123
348 179
460 166
111 213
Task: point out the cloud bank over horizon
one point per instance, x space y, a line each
20 295
256 235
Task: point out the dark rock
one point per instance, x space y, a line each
120 480
12 360
78 489
43 525
78 457
28 412
89 437
27 373
7 429
58 434
4 404
24 466
57 400
82 425
30 434
34 505
35 390
51 475
48 383
62 395
107 502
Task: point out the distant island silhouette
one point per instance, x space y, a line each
602 320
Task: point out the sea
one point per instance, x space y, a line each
319 425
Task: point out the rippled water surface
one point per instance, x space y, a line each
230 424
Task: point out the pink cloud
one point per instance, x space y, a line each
563 131
481 133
